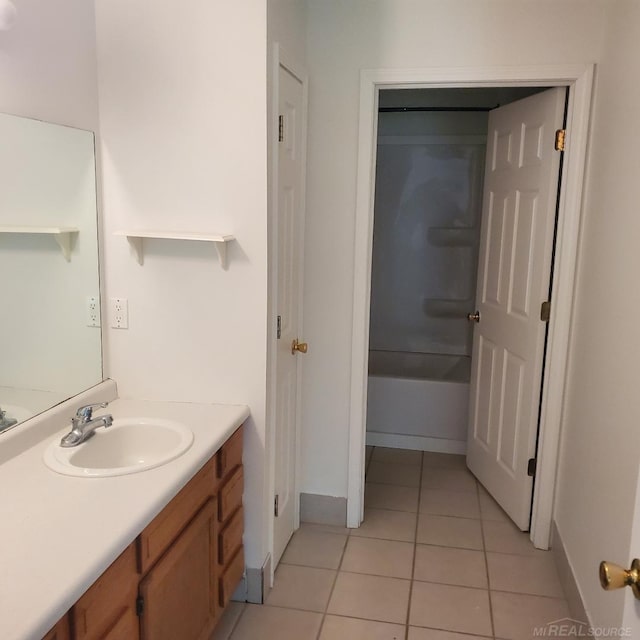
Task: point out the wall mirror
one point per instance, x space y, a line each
50 338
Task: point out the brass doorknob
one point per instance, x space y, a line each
298 346
613 576
473 317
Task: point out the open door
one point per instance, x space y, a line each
290 208
514 270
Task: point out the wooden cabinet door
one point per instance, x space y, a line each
60 631
107 611
180 592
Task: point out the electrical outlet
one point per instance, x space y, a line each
93 311
119 313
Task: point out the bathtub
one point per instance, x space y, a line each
418 401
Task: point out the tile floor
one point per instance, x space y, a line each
435 559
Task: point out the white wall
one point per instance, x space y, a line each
48 63
183 127
601 438
344 38
287 25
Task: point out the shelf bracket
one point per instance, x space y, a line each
65 242
221 248
137 246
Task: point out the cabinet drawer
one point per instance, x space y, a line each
230 538
108 599
230 456
231 495
157 537
231 578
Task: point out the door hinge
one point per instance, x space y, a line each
545 311
279 328
276 506
531 467
139 605
561 135
280 128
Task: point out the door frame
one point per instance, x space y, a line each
280 58
579 79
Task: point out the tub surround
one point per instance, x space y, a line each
60 533
418 401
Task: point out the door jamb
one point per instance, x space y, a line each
579 79
279 58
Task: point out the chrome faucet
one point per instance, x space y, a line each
6 422
84 424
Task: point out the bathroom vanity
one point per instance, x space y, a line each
152 555
176 578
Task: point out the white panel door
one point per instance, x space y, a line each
289 186
516 244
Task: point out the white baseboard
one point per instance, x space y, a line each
567 577
417 443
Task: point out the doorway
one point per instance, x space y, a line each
578 79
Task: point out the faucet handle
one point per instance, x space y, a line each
86 412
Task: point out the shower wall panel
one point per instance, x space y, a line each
427 217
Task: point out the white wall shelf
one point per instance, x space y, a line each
62 235
136 239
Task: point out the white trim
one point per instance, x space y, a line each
416 443
281 58
579 79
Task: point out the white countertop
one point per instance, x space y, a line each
59 533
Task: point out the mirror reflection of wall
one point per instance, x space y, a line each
48 352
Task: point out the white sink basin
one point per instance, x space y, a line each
130 445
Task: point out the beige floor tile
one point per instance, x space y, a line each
505 537
449 532
370 597
339 628
403 475
378 557
228 621
261 622
419 633
387 525
490 509
397 456
301 587
449 503
387 496
315 549
449 480
432 460
516 616
534 575
462 567
450 608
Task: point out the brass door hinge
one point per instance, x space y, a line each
280 128
276 506
561 135
545 311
